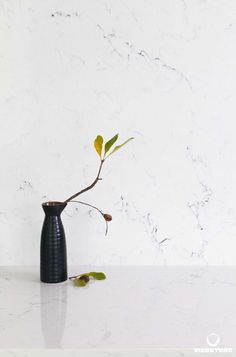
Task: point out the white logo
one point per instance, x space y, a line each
213 340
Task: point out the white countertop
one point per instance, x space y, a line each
136 307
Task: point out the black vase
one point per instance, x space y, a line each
53 257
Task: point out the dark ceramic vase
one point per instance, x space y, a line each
53 258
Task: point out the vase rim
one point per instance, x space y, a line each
53 203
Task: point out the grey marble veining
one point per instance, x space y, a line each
162 71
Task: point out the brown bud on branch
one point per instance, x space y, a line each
107 217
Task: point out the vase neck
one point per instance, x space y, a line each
53 208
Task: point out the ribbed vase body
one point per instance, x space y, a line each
53 257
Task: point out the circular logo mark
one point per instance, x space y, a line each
213 340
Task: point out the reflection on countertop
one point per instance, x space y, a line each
53 305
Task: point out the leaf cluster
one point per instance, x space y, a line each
103 150
83 279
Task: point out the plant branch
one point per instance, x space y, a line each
73 277
87 204
90 186
76 276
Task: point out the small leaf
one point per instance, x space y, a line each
110 142
119 146
97 276
98 144
79 282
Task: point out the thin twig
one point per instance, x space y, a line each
87 204
89 187
75 277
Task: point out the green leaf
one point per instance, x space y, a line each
110 142
79 282
119 146
98 144
97 276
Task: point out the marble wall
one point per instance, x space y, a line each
163 71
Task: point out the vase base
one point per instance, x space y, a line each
53 282
53 279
